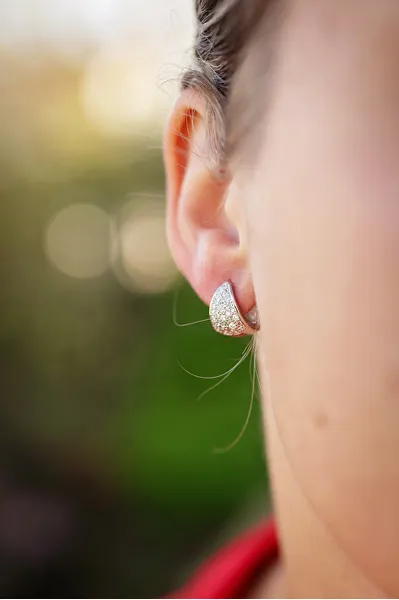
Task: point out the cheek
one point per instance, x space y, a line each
324 240
325 256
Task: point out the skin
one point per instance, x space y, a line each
309 229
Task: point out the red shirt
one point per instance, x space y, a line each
230 572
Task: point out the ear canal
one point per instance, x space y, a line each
226 317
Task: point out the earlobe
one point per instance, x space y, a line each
205 242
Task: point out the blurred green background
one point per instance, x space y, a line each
110 485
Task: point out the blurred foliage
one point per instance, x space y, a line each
110 483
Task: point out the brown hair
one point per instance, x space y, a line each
225 31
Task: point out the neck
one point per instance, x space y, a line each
313 564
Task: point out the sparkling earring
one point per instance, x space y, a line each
226 317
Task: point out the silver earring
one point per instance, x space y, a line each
226 317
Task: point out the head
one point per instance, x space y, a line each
282 176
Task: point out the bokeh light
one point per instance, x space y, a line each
146 264
78 241
119 94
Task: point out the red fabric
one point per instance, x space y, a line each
231 571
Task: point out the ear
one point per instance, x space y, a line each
205 224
